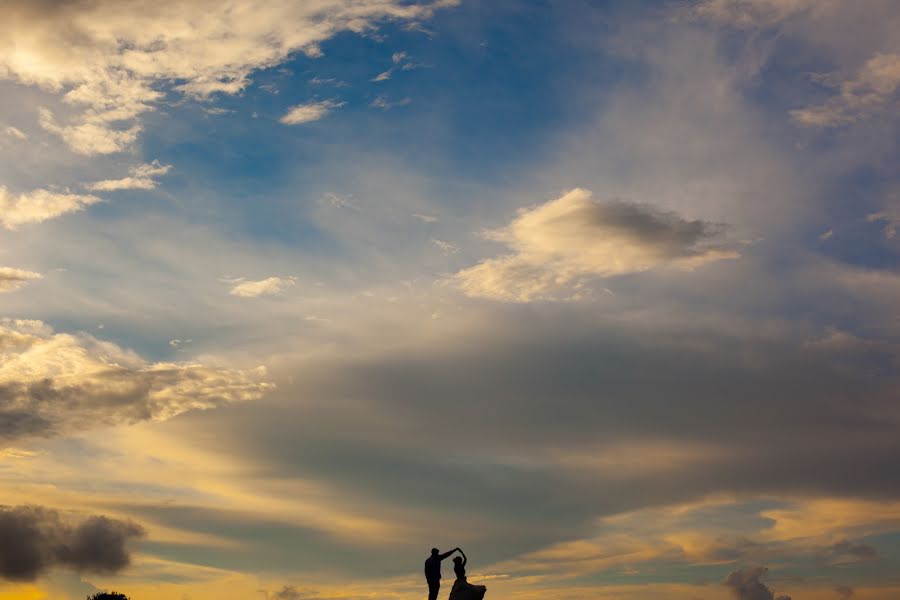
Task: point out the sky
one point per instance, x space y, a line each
603 292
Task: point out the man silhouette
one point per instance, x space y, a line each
433 571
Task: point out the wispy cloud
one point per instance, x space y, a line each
15 132
269 286
889 220
307 113
12 279
141 178
869 92
446 248
384 103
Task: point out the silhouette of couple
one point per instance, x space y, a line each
462 589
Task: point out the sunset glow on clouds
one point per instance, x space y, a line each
604 293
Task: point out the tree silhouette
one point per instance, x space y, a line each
108 596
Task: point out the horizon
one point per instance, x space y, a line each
602 292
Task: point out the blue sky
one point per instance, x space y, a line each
603 292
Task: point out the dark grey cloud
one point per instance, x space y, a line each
291 592
478 431
844 592
746 585
847 552
34 539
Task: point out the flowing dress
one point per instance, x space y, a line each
463 590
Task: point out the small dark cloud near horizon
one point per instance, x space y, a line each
847 552
35 539
844 592
292 592
745 584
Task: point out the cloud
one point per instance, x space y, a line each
306 113
12 279
141 178
846 552
425 218
291 592
844 592
446 248
750 13
383 103
558 243
869 92
339 201
745 585
890 221
39 205
15 132
54 383
397 58
264 287
35 539
111 61
96 134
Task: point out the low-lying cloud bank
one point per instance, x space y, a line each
52 383
34 539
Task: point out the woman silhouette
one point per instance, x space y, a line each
462 589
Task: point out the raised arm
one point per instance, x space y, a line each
446 554
465 560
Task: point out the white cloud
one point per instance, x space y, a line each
446 248
312 111
339 201
113 60
383 103
15 132
425 218
95 134
557 244
141 178
52 383
384 76
39 205
269 286
12 279
870 91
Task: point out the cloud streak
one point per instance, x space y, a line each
140 178
307 113
269 286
